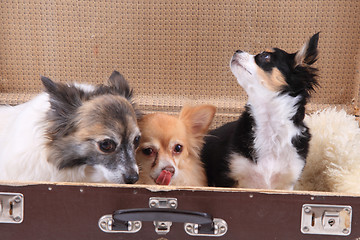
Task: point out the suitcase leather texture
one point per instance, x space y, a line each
70 211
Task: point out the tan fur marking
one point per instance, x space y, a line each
94 122
93 131
272 81
99 102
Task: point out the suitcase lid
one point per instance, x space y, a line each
175 53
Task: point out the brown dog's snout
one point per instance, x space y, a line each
169 169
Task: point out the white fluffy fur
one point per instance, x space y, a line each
24 125
333 163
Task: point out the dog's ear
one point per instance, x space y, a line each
119 83
307 55
64 101
63 97
198 119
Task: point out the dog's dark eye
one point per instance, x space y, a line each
107 146
148 151
178 148
265 57
136 141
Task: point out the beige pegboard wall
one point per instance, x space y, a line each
172 52
356 100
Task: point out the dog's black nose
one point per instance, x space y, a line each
131 178
238 51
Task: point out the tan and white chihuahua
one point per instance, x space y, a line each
169 151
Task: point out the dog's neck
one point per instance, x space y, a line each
274 125
271 106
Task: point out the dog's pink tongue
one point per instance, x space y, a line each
164 178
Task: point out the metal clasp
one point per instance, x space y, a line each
220 228
106 225
11 207
162 228
326 219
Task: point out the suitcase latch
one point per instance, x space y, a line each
326 219
11 207
162 228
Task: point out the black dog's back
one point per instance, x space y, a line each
214 156
232 138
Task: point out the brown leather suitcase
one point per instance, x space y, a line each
80 211
173 53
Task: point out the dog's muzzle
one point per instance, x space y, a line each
131 177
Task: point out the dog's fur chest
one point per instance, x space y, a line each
271 160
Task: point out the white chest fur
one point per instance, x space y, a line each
278 164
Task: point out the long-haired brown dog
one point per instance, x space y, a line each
71 132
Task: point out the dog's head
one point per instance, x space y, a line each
170 146
94 126
276 71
